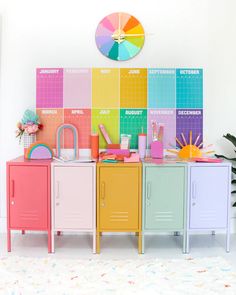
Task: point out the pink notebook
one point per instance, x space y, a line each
119 152
208 160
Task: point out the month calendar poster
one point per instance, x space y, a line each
124 100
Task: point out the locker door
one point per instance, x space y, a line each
119 197
208 197
164 199
28 197
73 197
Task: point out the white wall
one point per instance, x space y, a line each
54 33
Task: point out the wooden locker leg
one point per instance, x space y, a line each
8 240
140 243
94 242
136 233
23 231
100 233
58 233
49 241
98 243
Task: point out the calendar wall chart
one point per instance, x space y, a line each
125 100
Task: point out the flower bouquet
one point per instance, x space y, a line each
28 127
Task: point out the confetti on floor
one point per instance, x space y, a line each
29 276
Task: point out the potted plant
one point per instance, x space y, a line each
232 139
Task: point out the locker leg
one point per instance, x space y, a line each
136 233
49 241
8 240
100 233
176 233
53 241
94 242
228 241
58 233
23 232
187 242
98 243
213 233
143 241
140 243
184 243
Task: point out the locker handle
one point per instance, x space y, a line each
58 190
149 191
103 190
12 189
194 190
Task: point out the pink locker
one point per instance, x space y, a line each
73 198
28 197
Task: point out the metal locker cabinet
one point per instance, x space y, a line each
28 206
164 198
73 198
28 197
118 199
209 198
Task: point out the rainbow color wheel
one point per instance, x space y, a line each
119 36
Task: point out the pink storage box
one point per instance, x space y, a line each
157 150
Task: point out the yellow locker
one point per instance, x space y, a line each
118 199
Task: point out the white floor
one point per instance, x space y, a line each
119 246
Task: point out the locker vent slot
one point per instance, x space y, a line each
208 216
162 216
119 216
72 216
29 216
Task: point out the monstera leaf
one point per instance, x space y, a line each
232 139
224 157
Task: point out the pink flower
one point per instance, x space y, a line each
30 129
19 125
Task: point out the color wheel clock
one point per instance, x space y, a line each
119 36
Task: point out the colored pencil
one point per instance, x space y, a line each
185 142
179 142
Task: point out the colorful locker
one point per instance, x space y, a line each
119 199
209 196
28 197
74 198
164 199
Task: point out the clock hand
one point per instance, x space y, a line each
119 24
121 36
131 35
119 30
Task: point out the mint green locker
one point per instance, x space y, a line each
164 198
